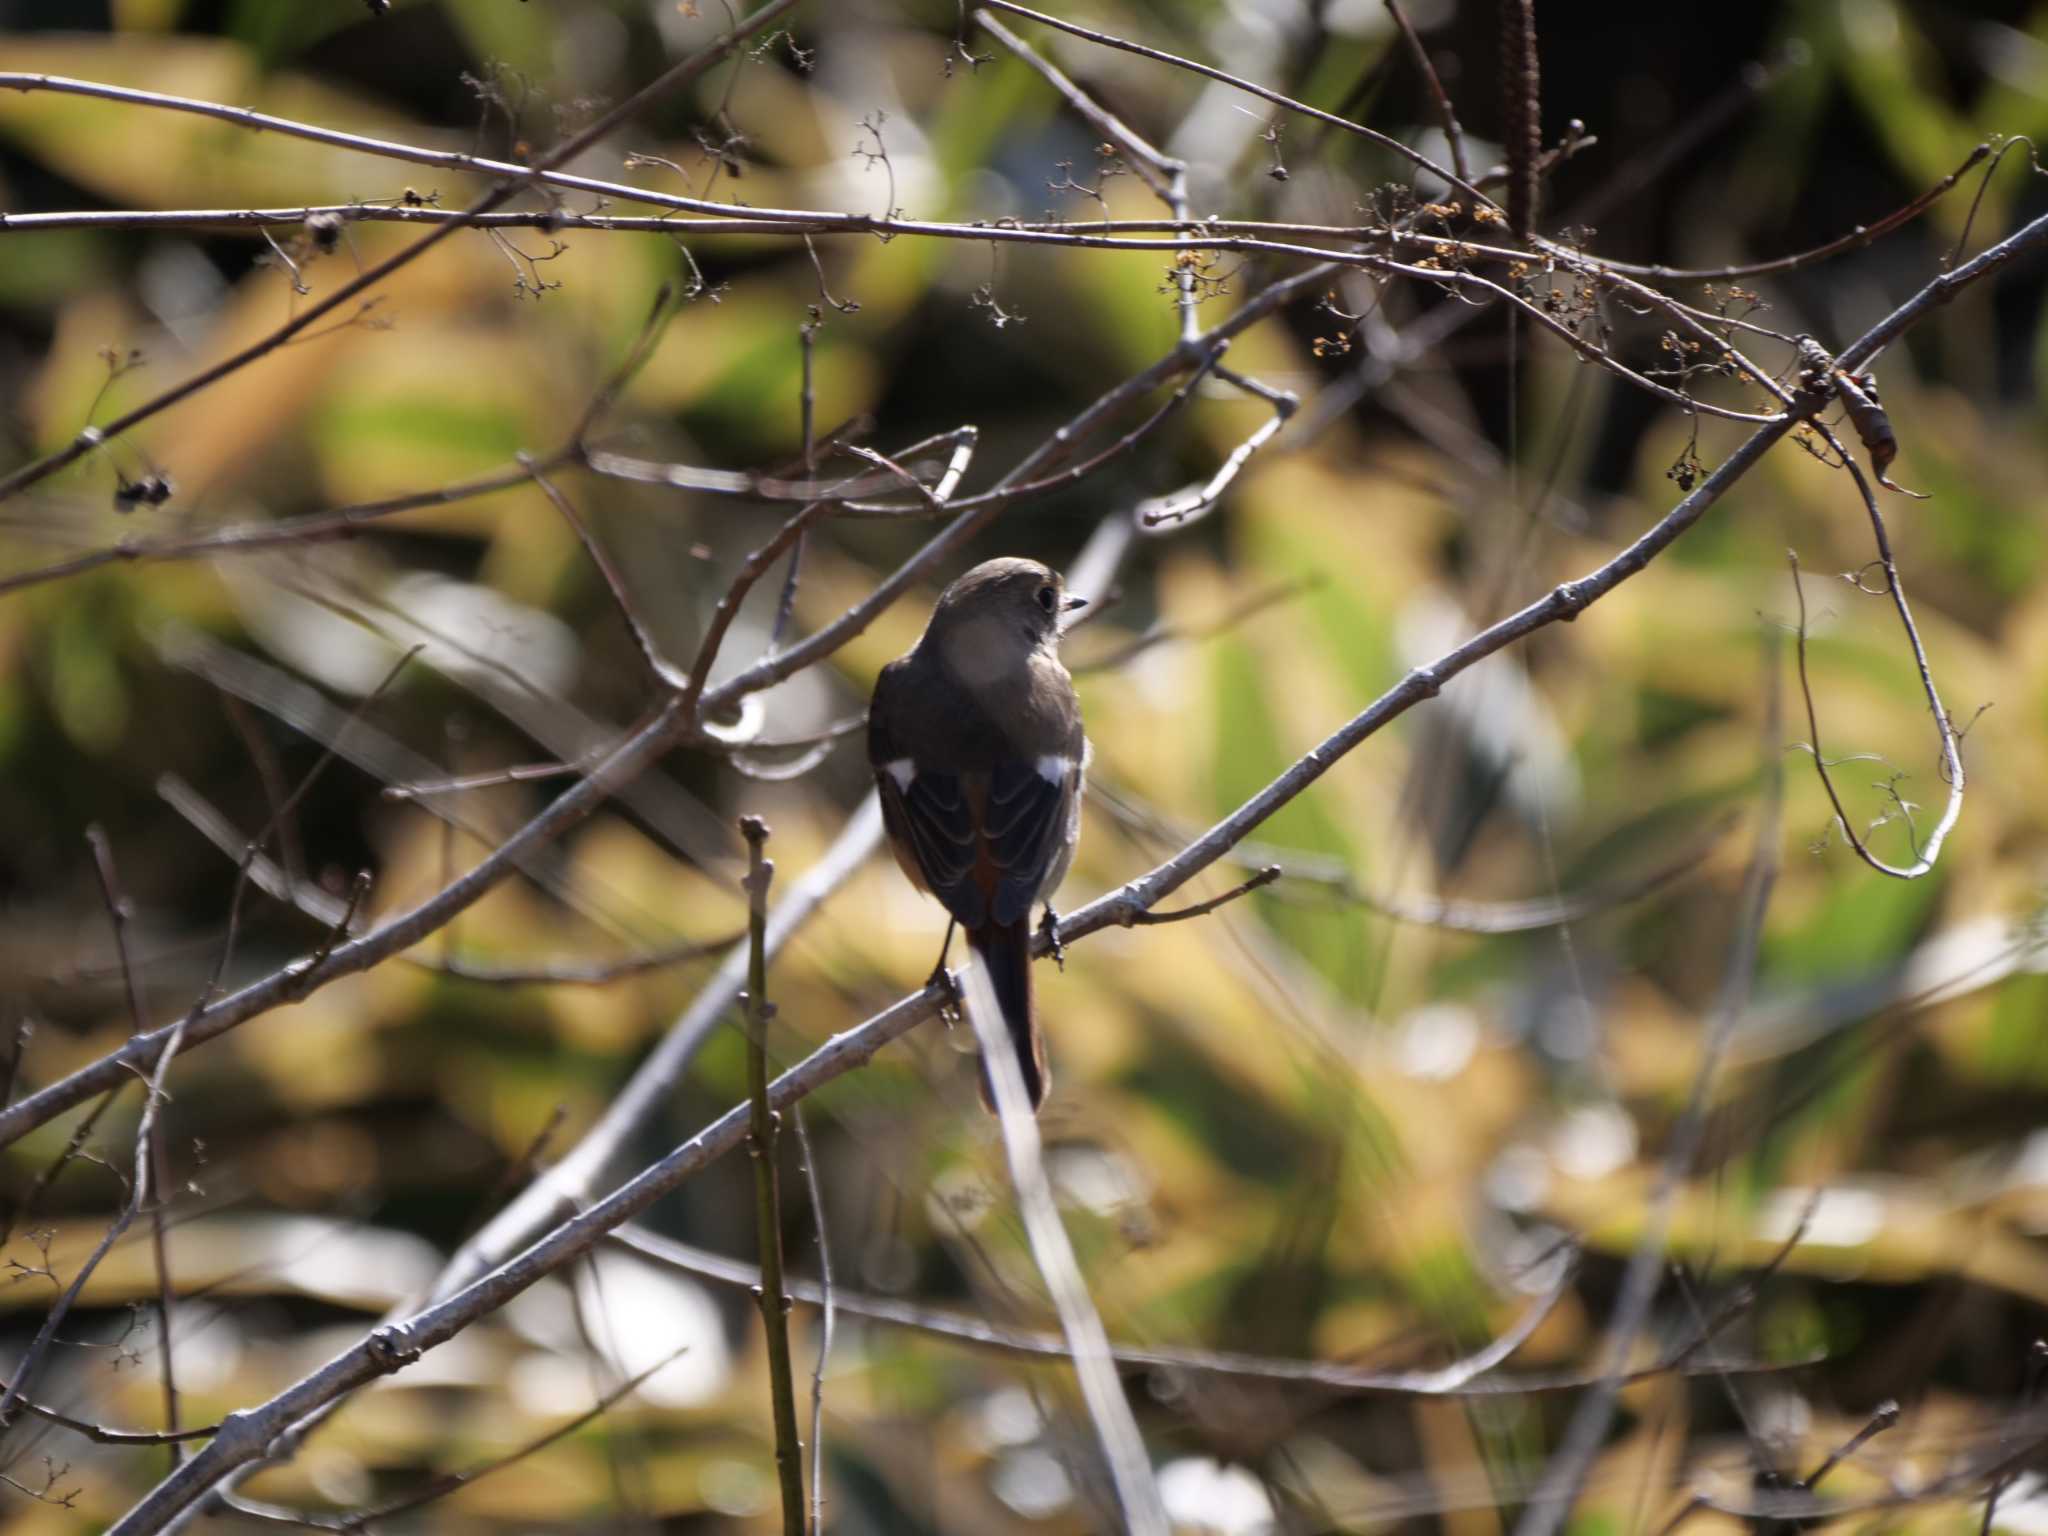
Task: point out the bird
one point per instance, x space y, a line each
976 741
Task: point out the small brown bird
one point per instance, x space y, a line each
976 742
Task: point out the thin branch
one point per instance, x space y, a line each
104 1434
979 510
670 81
1164 633
24 1027
1951 745
1652 162
1116 1430
1111 234
828 1312
440 1487
572 1182
296 979
73 1146
1552 1500
244 538
2030 1387
519 1170
1474 1375
807 407
573 973
1337 882
291 847
1885 1416
150 1152
1154 168
659 313
1857 238
696 707
143 1188
1191 502
663 675
1454 135
253 849
1259 881
762 1139
1264 93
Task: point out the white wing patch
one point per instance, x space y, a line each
902 770
1054 769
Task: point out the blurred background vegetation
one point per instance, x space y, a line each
1296 1128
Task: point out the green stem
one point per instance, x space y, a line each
764 1124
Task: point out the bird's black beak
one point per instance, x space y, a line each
1076 602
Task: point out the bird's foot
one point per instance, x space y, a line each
1049 925
951 1002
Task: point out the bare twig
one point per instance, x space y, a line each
291 849
284 532
1454 135
143 1187
666 84
1174 634
1475 1375
574 973
1885 1416
827 1309
2030 1388
104 1434
1191 502
10 1072
662 673
1130 1468
807 342
659 313
150 1148
573 1182
440 1487
1548 1506
696 708
1264 93
1155 168
297 979
74 1144
1925 854
1855 240
762 1141
1259 881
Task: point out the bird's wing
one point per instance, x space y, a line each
1025 825
985 841
938 814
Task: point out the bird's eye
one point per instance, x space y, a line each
1048 599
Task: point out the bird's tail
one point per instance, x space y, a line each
1005 951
